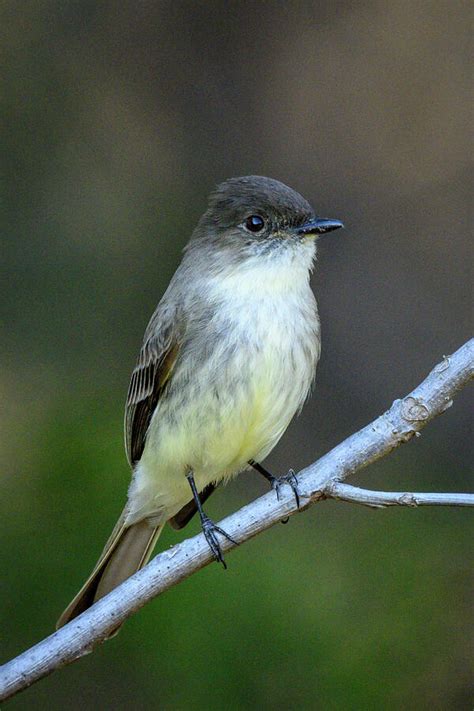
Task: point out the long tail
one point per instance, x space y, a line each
127 550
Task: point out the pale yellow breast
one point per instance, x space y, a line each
235 407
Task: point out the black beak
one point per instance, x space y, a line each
319 226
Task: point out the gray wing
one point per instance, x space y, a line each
153 369
158 356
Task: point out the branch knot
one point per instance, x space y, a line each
414 410
408 500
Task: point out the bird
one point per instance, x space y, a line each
227 360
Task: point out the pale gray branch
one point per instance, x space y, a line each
399 424
380 499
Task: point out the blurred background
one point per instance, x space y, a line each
117 120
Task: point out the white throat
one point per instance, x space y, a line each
277 273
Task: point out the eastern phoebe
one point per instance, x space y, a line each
227 360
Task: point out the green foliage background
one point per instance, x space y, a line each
118 118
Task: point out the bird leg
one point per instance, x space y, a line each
277 482
209 528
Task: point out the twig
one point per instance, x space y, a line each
380 499
399 424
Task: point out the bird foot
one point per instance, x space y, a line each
210 530
289 479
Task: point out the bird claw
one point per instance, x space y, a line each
210 529
289 479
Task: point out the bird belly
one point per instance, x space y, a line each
225 409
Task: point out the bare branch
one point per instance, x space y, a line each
380 499
399 424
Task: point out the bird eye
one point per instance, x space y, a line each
254 223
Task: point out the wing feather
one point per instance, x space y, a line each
160 351
149 378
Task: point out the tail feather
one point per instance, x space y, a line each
127 550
